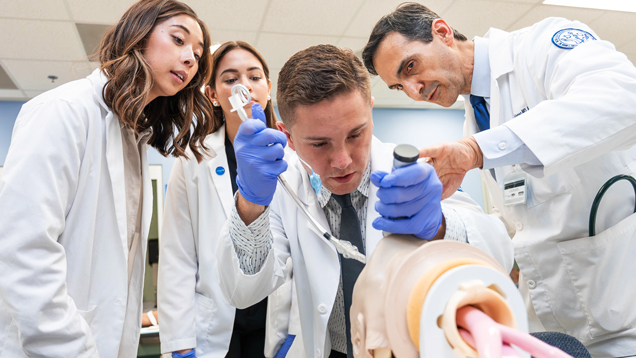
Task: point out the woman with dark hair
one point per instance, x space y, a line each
76 197
192 311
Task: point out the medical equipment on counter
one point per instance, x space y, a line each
408 302
240 97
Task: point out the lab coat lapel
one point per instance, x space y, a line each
307 195
114 159
381 159
148 199
501 63
222 182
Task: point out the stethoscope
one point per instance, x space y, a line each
599 196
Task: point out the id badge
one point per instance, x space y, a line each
515 188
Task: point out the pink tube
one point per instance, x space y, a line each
492 340
483 329
506 351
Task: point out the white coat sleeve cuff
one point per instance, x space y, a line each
502 147
455 229
251 243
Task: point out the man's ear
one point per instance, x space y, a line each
440 28
281 127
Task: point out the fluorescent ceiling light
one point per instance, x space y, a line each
614 5
214 47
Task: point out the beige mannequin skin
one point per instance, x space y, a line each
382 291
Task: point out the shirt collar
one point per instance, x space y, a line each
142 138
480 84
363 188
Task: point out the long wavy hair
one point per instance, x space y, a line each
177 121
217 56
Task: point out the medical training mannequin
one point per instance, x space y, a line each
404 273
192 310
549 120
76 197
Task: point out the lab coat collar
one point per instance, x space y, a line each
98 79
480 83
499 52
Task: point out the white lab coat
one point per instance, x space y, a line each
63 262
581 124
316 267
192 310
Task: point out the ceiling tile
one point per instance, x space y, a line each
33 75
244 15
629 47
34 9
98 11
541 12
475 17
616 27
33 94
39 40
373 10
221 36
91 35
356 44
326 17
278 48
5 81
7 94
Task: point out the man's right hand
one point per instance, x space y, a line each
259 158
452 161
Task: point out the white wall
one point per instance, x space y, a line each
423 127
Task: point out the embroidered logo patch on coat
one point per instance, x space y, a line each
570 38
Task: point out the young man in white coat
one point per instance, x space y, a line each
549 109
325 102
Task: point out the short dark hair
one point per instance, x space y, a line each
411 20
316 74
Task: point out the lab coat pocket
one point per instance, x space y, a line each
601 269
278 308
544 189
204 311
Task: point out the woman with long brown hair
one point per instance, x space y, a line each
76 197
192 311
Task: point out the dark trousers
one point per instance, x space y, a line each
248 334
336 354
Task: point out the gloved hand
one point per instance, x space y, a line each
409 201
189 354
259 158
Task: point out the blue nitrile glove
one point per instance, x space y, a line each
190 354
259 158
409 201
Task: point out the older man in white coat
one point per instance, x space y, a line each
325 102
550 113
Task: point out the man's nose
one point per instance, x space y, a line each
341 159
413 89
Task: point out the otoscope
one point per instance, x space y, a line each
239 98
